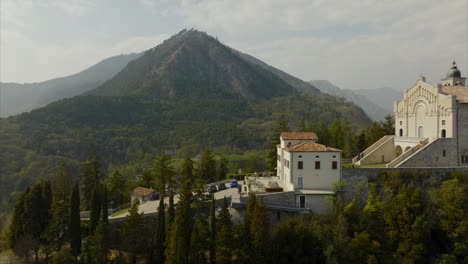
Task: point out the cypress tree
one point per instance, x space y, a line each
207 166
160 232
170 210
163 172
92 176
135 232
74 226
212 231
104 205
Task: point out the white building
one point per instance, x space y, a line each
431 127
307 168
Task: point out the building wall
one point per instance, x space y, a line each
316 179
317 203
423 106
462 138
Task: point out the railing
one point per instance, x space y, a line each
407 139
371 148
408 153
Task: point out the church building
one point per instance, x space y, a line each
431 127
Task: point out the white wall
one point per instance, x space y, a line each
316 179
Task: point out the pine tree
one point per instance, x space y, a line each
117 188
222 168
181 230
163 172
160 232
245 234
224 239
104 205
207 166
91 177
60 209
74 226
212 231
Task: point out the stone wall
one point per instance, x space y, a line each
440 153
354 175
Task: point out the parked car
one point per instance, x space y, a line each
221 186
233 184
211 188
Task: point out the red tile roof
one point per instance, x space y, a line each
298 136
461 92
311 147
140 191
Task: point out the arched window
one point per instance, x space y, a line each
401 132
443 133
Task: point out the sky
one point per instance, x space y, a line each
355 44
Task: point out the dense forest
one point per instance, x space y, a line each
396 218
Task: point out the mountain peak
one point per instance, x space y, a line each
193 63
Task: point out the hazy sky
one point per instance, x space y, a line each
352 43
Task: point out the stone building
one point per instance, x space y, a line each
431 127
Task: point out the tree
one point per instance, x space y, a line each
134 232
163 172
179 239
74 226
207 166
91 177
406 225
147 179
294 242
388 125
336 134
171 209
222 168
57 231
96 249
212 231
451 209
96 208
259 231
161 231
16 229
224 238
117 188
281 126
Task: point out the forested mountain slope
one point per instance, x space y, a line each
188 93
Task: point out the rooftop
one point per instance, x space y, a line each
461 92
141 191
311 147
299 136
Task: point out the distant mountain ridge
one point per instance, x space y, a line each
18 98
375 102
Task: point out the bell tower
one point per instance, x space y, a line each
454 77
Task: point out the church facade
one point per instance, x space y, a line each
431 127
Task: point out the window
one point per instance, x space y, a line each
443 133
317 156
299 182
302 201
443 153
334 164
401 123
300 165
334 156
317 165
401 132
443 122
